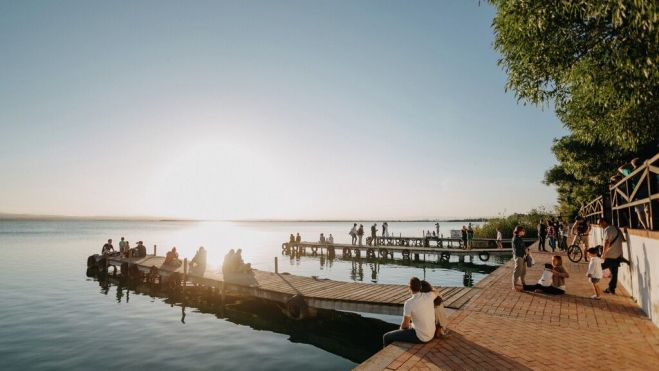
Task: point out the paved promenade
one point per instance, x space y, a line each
501 329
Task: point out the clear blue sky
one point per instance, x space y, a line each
263 109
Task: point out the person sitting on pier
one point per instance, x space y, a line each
418 324
108 249
298 238
228 262
322 238
552 280
330 239
441 320
172 259
139 251
291 239
198 263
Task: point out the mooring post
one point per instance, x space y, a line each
276 265
185 272
154 250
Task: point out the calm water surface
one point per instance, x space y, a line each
54 317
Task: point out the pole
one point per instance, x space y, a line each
276 265
185 272
154 250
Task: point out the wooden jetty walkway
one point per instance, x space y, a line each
388 251
296 292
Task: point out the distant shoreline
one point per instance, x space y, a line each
32 217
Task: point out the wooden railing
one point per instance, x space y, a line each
635 198
593 210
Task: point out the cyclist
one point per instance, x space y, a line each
580 230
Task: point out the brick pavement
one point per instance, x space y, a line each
501 329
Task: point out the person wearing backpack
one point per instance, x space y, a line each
612 252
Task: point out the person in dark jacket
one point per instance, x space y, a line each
519 254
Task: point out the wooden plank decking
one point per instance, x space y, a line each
317 292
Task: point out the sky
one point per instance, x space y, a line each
264 110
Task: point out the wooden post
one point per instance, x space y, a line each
185 272
276 265
154 250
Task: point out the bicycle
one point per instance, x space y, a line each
574 252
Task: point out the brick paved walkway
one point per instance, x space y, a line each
503 329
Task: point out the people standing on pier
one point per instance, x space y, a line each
385 229
551 236
499 239
291 239
418 325
542 235
464 237
353 234
360 233
122 246
612 253
374 231
581 230
594 272
321 239
470 236
107 249
519 254
437 228
330 239
298 238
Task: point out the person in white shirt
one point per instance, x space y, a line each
595 271
330 239
499 239
418 324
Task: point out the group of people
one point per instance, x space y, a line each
424 316
125 250
550 231
233 263
606 258
357 233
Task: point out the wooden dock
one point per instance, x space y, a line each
292 290
388 251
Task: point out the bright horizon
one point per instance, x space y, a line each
260 110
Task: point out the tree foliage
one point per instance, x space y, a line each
507 224
596 62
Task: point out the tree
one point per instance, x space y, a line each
596 62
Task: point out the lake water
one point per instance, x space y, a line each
55 317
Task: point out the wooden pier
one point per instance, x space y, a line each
297 293
443 254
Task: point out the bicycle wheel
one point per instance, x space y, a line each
574 253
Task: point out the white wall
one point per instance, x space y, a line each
639 278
